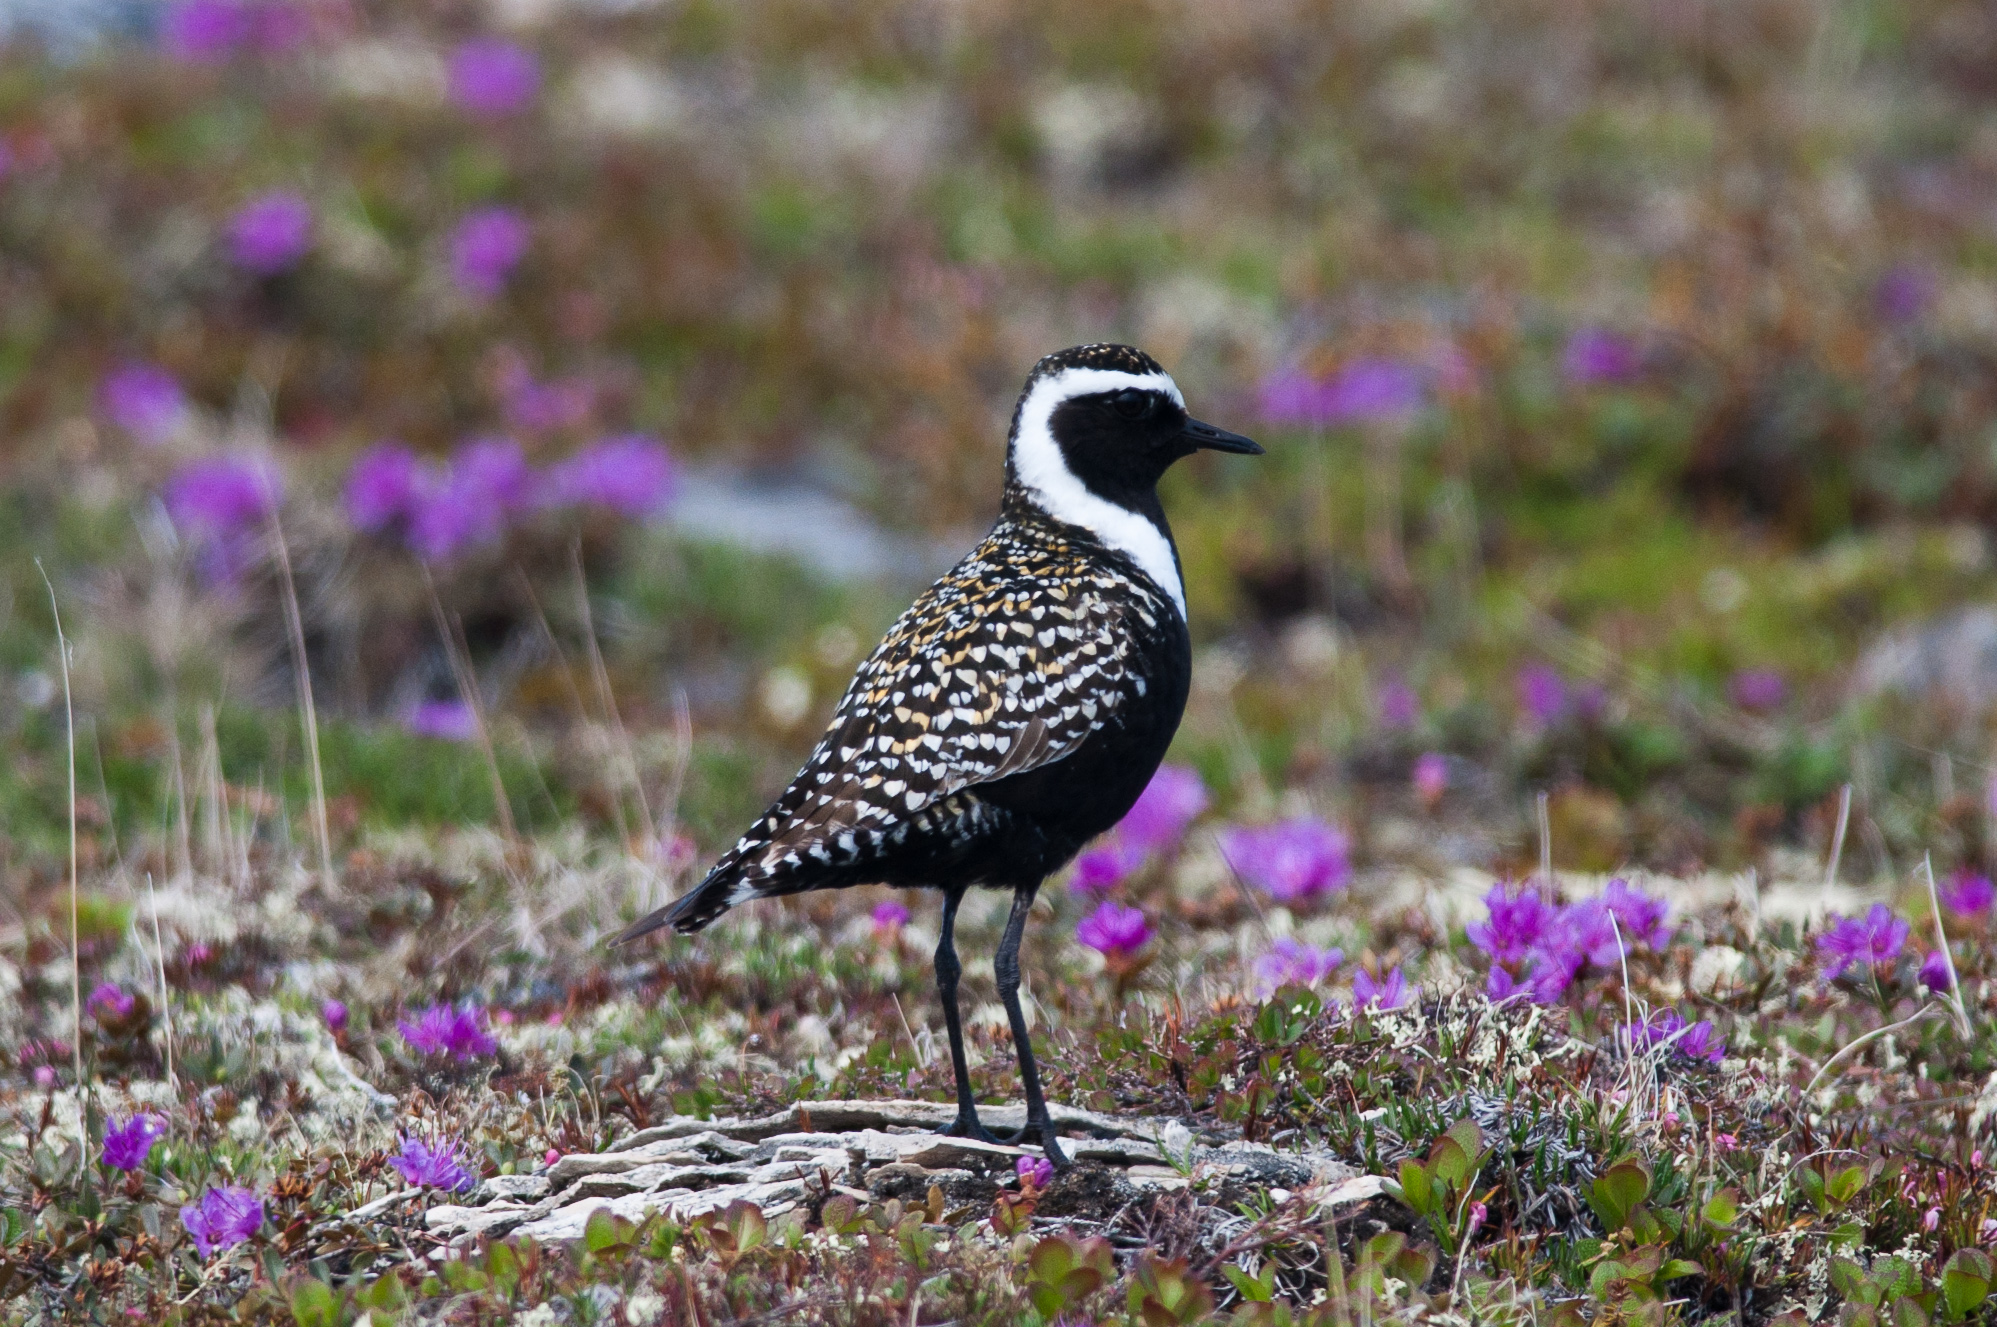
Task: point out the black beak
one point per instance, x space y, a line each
1205 437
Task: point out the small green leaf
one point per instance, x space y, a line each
1449 1164
314 1305
1722 1209
1415 1188
1676 1267
1845 1185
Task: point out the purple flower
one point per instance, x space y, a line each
204 31
110 1000
543 407
1290 860
226 1217
271 232
1542 694
1034 1172
335 1014
1670 1031
1294 963
490 78
1875 939
1640 916
127 1145
1369 390
221 494
219 505
1595 355
1171 801
432 1167
1758 689
1968 895
1431 777
1390 992
487 480
1396 704
1114 930
1934 972
485 248
889 915
1103 867
444 1030
444 720
385 486
1548 980
631 473
1516 926
144 400
1904 293
1291 396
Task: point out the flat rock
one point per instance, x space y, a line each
567 1222
495 1218
513 1188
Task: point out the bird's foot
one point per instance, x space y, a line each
966 1126
1050 1142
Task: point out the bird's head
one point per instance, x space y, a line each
1103 422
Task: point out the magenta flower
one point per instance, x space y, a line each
444 1030
444 720
1374 390
1034 1172
110 1000
1391 992
144 400
219 504
1396 704
1669 1030
335 1014
1640 916
1904 293
541 407
889 916
1294 963
204 31
1758 689
1103 867
432 1167
1114 930
385 486
1431 777
488 480
491 78
127 1145
1875 939
1290 860
1542 694
1934 972
1968 895
271 232
631 473
1594 355
1517 925
1169 803
226 1217
485 248
1548 980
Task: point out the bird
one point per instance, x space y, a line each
1018 708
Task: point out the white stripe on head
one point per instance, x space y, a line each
1040 467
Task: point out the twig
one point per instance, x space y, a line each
1873 1035
601 676
294 623
1254 904
1837 839
75 930
165 1008
1545 840
1941 939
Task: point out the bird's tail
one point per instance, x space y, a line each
691 910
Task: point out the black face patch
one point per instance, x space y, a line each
1119 443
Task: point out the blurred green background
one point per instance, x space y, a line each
1628 370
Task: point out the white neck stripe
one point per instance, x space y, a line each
1040 468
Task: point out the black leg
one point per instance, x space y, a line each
1006 966
948 970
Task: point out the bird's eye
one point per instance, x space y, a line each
1131 403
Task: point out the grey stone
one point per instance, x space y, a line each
516 1188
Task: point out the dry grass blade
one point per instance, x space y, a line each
459 659
75 938
1941 942
302 674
